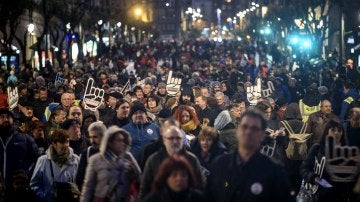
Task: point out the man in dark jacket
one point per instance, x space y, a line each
173 145
141 129
247 175
317 120
204 111
18 151
41 103
96 132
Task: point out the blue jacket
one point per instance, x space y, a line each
18 152
141 134
348 98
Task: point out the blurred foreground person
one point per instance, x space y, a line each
247 175
111 173
175 182
173 145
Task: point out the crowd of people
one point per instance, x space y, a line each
245 124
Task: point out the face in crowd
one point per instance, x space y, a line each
250 133
66 100
139 117
28 111
325 107
178 180
75 113
74 131
173 140
123 111
117 145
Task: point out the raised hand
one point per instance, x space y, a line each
267 92
173 84
93 96
58 80
340 162
13 97
253 93
318 170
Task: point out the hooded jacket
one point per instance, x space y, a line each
108 175
141 134
42 181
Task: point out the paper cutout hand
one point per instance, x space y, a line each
173 84
318 170
253 93
267 92
93 96
269 150
58 80
13 97
340 163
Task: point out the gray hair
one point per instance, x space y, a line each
97 126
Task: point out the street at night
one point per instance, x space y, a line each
180 101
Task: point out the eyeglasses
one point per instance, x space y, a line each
245 127
177 138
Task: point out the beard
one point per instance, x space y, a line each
5 129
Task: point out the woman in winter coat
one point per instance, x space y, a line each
318 164
111 171
174 182
63 162
207 147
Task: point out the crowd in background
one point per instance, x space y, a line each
141 143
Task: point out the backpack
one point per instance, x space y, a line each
297 147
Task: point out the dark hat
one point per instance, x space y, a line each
165 113
6 111
138 106
25 103
116 95
68 123
161 85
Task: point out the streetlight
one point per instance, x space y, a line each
30 28
138 12
218 11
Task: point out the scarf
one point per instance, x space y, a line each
189 126
59 158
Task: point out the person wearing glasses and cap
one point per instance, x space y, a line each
246 174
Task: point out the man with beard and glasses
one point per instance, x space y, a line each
173 145
96 132
18 151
